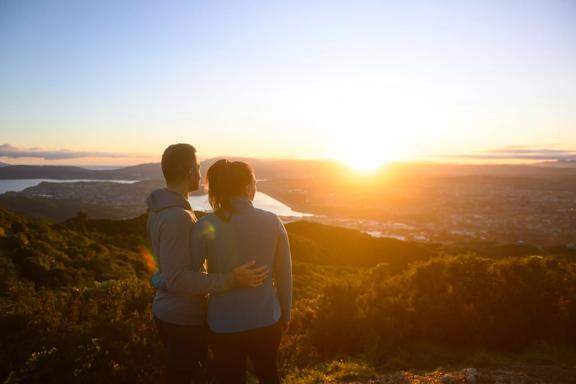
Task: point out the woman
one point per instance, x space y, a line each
245 322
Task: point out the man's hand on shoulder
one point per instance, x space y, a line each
247 275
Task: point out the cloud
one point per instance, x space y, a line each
520 153
12 152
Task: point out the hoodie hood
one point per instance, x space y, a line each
164 198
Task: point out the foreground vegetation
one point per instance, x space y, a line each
75 304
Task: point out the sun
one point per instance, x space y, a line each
365 154
364 162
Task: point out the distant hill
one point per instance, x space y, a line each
99 200
48 171
4 164
149 171
264 169
294 169
138 172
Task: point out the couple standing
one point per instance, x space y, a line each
241 307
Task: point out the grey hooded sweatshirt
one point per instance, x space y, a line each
170 224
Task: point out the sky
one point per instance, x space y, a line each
115 82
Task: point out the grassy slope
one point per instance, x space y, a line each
47 254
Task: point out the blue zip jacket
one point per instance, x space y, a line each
249 234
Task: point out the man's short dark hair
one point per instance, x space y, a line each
177 160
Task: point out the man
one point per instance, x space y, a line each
179 311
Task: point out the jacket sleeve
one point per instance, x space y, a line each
283 272
177 262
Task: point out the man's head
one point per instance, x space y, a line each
180 166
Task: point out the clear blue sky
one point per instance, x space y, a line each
286 79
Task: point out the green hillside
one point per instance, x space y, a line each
75 301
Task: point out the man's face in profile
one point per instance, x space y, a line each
194 176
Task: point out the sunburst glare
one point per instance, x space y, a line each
366 151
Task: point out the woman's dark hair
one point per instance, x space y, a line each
225 180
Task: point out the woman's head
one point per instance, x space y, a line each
228 179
